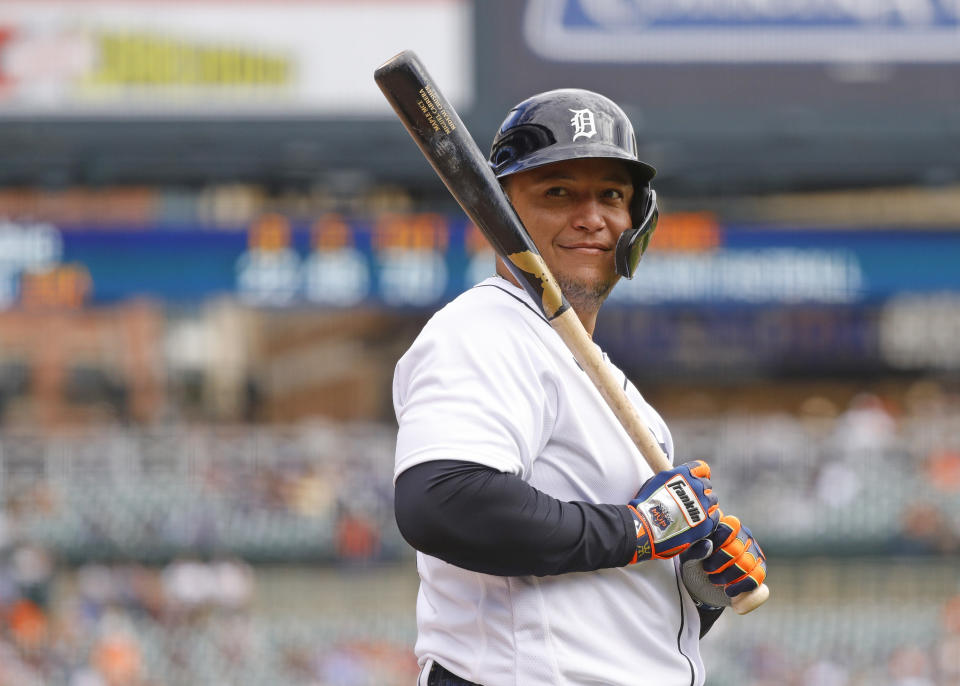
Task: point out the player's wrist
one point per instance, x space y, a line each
642 548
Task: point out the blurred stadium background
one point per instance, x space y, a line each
215 242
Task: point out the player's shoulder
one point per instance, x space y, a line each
493 320
487 308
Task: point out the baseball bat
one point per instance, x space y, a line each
443 139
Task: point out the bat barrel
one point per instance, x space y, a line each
443 139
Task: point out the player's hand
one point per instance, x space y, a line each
674 509
737 563
701 589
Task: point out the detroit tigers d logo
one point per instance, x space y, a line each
583 124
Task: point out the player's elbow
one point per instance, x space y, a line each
416 513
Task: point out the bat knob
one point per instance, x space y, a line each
751 600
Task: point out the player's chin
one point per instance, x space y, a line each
589 270
586 286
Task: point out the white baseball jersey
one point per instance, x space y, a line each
489 381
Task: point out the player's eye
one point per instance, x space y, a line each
614 194
557 191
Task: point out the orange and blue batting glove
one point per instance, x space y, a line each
737 563
704 593
672 510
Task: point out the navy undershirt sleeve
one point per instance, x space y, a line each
488 521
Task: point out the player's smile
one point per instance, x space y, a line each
575 211
588 248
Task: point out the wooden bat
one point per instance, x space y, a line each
448 146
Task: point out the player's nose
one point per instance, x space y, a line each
588 215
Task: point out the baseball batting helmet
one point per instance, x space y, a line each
571 123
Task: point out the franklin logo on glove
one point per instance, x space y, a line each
681 490
672 510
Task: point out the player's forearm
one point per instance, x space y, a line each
487 521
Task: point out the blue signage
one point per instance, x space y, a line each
423 261
823 31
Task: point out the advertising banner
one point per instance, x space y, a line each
723 299
424 260
284 58
744 31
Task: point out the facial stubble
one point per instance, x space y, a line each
585 296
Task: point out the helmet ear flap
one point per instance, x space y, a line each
633 242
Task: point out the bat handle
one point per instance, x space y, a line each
751 600
591 361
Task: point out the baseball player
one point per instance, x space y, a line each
548 551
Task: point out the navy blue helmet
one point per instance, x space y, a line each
571 123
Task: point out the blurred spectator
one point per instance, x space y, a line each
356 663
116 656
947 649
358 539
340 666
865 426
235 640
838 484
96 590
767 664
925 398
926 529
189 586
818 416
825 672
86 676
28 625
233 581
314 493
943 468
32 571
910 666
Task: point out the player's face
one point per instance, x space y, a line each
575 211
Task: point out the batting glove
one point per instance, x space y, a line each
674 509
737 564
701 589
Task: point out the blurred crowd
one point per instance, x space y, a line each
125 555
876 476
131 556
843 645
83 631
187 622
871 477
304 493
